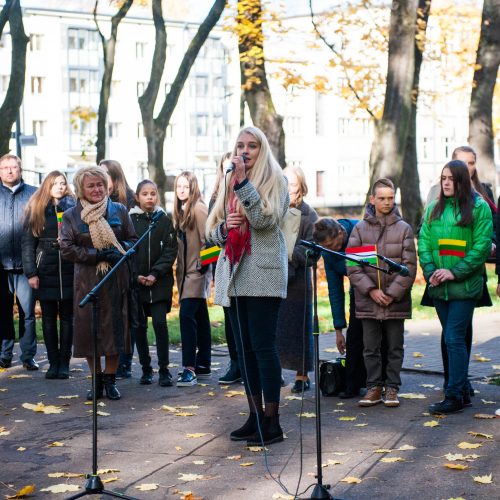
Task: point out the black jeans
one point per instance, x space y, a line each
195 333
58 345
254 321
158 312
228 330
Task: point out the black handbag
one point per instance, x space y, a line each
332 377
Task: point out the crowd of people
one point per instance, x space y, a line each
56 245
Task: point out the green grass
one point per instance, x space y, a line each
324 314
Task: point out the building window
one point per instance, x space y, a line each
82 39
114 130
39 128
199 125
294 125
141 87
83 81
37 84
446 147
320 181
344 125
140 50
201 86
35 42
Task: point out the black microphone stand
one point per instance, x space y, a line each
321 490
94 484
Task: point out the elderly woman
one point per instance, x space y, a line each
94 235
294 330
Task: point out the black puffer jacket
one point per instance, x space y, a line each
156 255
42 257
12 207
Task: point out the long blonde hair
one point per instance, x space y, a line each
184 217
35 209
266 176
301 179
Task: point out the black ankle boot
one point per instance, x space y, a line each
448 405
248 429
109 381
147 376
100 388
63 372
52 371
271 432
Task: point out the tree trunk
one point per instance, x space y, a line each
155 128
254 78
108 49
387 153
483 85
411 200
14 97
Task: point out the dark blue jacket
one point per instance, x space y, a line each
12 207
335 271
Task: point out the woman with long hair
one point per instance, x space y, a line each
193 280
95 234
50 276
453 245
295 322
251 274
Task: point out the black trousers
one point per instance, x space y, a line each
354 362
7 331
58 344
231 342
254 321
195 333
158 312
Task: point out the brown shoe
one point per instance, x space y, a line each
373 397
391 397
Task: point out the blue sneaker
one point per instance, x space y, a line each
187 378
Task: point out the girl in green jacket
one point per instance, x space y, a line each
453 245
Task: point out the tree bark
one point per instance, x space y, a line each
254 79
108 50
155 128
387 153
483 85
14 97
411 200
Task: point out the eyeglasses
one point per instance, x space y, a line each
9 167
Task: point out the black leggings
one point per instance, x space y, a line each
254 321
195 333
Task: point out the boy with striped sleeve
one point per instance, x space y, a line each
383 301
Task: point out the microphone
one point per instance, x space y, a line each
233 166
394 267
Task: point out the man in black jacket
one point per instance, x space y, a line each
14 195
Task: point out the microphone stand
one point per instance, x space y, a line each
94 484
321 490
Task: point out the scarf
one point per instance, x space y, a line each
238 239
101 234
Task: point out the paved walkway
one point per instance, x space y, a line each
176 439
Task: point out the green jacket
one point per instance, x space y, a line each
467 269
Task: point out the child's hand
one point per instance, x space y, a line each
150 280
380 298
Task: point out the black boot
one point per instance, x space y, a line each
448 405
248 429
165 377
147 376
270 432
53 370
100 388
233 374
63 371
50 338
109 381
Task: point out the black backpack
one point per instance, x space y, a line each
332 377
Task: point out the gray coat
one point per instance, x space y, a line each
263 272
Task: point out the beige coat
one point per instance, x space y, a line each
394 240
191 283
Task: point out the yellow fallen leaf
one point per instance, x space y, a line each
331 462
185 414
495 367
306 415
487 402
293 398
412 395
23 492
456 466
22 375
382 450
330 349
64 474
68 397
418 365
4 432
196 435
255 449
468 446
41 408
340 453
233 457
431 423
106 471
178 448
456 498
169 408
360 425
103 413
480 434
211 393
481 359
3 389
147 486
55 444
190 407
21 448
190 477
347 419
406 447
199 462
231 394
61 488
110 479
484 479
392 459
247 464
283 496
484 415
428 386
418 355
351 480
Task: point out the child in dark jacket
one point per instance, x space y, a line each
383 301
154 260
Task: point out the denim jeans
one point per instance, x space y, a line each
18 283
455 316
